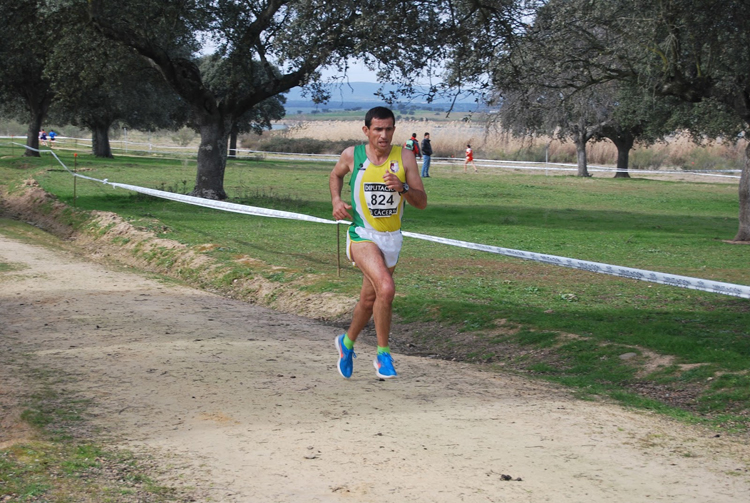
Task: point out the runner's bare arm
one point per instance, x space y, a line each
336 183
416 196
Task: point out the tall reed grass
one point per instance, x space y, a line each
449 139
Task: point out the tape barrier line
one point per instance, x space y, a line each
222 205
705 285
613 270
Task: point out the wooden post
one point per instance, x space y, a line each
75 178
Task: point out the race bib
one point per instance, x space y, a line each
381 201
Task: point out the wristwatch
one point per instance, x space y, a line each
406 188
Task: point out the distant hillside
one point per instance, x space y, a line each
363 95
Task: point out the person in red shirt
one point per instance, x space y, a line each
469 159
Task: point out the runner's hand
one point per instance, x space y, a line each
340 210
392 182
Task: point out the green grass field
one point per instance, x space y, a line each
561 324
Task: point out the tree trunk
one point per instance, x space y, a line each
212 159
624 145
38 107
580 142
622 164
32 135
100 141
233 142
743 234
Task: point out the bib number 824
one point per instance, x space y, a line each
381 200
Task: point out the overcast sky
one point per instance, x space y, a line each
358 72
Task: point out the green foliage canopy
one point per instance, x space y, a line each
27 34
270 46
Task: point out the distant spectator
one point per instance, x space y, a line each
426 155
413 145
469 158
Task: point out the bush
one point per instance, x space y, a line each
533 153
183 137
277 143
10 127
562 152
708 159
647 159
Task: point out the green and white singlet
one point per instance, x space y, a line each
376 207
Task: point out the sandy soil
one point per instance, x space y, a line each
244 404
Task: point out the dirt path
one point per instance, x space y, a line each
245 404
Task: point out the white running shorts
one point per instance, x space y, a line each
388 242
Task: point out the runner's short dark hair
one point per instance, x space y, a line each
379 113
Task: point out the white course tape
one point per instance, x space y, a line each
222 205
614 270
705 285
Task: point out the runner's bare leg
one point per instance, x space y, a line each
376 296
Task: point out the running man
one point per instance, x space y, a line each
469 159
383 177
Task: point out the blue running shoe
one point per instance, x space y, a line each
384 366
345 364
